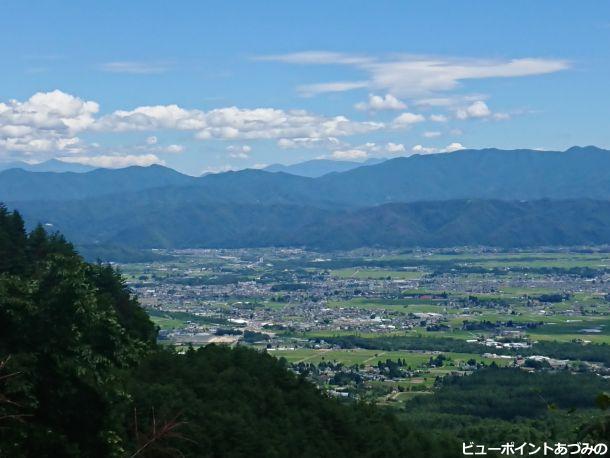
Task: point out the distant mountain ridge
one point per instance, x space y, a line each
320 167
19 184
470 197
52 165
466 174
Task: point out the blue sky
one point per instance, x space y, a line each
210 86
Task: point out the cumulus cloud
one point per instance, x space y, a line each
379 103
420 149
367 149
407 119
416 75
395 148
453 147
349 154
239 151
114 162
478 109
235 123
148 118
47 121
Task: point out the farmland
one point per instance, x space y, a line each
384 325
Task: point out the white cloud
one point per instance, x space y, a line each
379 103
478 109
395 148
416 75
349 154
420 149
310 142
270 123
135 67
235 123
438 118
172 149
431 134
49 122
406 119
114 162
241 148
46 122
239 151
453 147
152 118
56 112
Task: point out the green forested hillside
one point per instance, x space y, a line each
81 375
173 224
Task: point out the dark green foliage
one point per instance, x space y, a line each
253 336
239 403
494 405
66 330
493 393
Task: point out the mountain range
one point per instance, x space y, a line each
470 197
52 165
320 167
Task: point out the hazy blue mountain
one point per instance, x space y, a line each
477 174
319 167
174 224
18 184
52 165
487 197
467 174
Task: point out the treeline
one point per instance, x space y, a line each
498 405
560 350
81 375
